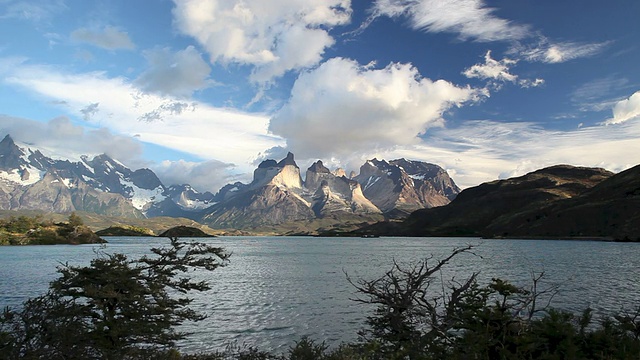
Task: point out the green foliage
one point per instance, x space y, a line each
463 320
24 230
118 308
115 308
125 230
75 220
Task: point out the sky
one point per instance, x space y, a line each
201 91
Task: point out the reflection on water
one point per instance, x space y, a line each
277 289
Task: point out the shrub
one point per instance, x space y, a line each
115 308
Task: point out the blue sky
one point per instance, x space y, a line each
202 90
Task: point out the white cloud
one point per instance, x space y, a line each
273 36
208 175
54 136
342 108
198 129
470 19
484 150
626 110
497 72
529 83
109 38
474 20
492 69
552 53
175 74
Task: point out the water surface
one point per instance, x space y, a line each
277 289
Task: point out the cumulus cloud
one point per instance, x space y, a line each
208 175
54 136
341 107
470 19
109 37
552 53
175 74
626 110
273 36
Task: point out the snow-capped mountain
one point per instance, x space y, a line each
278 194
31 180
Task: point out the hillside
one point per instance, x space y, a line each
556 202
24 230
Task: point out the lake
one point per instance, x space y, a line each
277 289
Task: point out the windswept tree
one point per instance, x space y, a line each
115 308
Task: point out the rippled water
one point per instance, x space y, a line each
277 289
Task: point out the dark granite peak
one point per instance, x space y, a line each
289 160
318 167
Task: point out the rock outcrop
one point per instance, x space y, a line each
401 186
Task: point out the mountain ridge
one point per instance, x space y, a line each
277 194
560 201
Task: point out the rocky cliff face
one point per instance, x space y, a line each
273 197
278 195
333 192
401 186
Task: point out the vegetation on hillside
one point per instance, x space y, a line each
24 230
125 230
117 308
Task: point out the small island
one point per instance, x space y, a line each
24 230
125 230
184 231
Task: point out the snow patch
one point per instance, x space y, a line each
14 176
370 181
140 197
417 177
84 163
68 183
188 204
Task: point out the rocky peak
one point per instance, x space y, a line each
316 175
268 164
405 185
283 174
318 167
340 172
11 156
289 160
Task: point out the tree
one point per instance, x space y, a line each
75 220
419 316
115 308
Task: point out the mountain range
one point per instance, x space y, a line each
32 180
556 202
